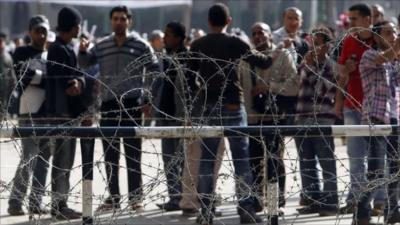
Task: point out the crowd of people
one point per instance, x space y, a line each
281 77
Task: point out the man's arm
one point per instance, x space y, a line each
390 54
86 57
24 74
152 81
288 69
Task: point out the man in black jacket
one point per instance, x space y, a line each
30 68
172 106
63 87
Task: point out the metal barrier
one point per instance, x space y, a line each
199 131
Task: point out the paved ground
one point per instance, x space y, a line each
155 190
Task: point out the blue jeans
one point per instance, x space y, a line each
240 157
393 165
34 161
311 149
357 151
375 175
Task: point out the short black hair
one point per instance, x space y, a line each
121 8
218 15
178 29
323 32
3 35
398 20
362 8
377 28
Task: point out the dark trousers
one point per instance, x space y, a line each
63 160
172 155
125 113
393 165
309 150
272 146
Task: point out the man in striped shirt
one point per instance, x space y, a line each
126 64
316 106
375 67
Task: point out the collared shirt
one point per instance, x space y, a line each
316 97
376 88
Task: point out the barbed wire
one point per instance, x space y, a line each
154 186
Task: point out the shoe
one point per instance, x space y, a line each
248 216
204 220
169 206
66 213
328 212
258 207
377 210
347 209
108 206
366 221
138 207
15 211
217 212
308 209
393 218
190 212
305 201
281 211
37 210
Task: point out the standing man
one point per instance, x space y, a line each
288 36
276 82
214 58
349 98
7 76
31 68
316 106
63 88
376 65
126 65
173 109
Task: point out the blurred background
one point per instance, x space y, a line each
154 14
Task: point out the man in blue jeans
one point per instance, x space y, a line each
375 66
30 69
215 57
348 105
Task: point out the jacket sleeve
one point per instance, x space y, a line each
289 81
152 80
88 58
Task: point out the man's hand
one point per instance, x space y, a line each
287 42
310 58
87 121
84 45
259 89
74 88
339 103
146 110
350 65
